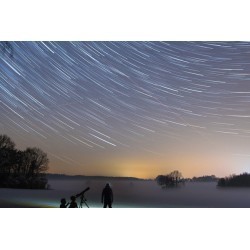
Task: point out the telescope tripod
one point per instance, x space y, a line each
83 200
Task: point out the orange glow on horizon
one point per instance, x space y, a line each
188 165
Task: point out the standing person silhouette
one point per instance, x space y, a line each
107 196
73 203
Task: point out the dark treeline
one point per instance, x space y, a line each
242 180
170 180
22 169
86 177
205 178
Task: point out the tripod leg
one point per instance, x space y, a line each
86 204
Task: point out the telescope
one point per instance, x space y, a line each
83 199
82 193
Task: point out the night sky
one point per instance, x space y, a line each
130 108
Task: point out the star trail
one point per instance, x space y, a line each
129 108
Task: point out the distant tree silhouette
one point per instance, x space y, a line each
34 161
205 178
21 169
6 142
242 180
170 180
222 182
176 176
7 152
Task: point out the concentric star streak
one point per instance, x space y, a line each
130 108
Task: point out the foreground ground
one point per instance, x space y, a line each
134 194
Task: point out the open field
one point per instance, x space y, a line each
141 194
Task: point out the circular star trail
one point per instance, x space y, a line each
80 101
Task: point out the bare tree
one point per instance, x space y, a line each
7 152
23 169
35 161
176 175
169 180
6 142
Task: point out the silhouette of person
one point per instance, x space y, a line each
73 203
64 204
107 196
